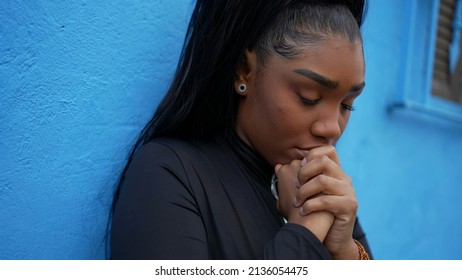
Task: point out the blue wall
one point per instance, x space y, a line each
79 79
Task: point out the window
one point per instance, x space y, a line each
447 67
431 78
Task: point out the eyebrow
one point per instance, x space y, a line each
324 81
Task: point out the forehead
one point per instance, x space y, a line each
336 57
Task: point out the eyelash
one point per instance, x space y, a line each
317 101
310 102
348 107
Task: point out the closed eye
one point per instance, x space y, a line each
309 101
347 107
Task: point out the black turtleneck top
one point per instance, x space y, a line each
205 200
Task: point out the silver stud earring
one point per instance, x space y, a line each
242 88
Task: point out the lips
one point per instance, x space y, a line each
302 151
305 150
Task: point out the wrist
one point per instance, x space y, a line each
318 223
349 251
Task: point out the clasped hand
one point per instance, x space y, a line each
316 193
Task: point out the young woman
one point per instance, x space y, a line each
238 161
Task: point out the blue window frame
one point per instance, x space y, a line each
418 57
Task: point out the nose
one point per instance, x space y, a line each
328 127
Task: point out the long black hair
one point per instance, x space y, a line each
201 101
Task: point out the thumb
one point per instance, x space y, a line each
277 168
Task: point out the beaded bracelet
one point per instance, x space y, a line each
363 255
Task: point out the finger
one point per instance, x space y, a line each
277 167
321 184
321 165
327 150
287 171
287 184
337 205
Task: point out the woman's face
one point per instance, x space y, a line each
292 106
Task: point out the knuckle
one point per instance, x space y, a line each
323 200
294 163
349 180
282 169
353 203
321 160
302 194
331 149
307 207
322 179
315 153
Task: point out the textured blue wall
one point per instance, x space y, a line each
79 79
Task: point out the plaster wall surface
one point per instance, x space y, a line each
79 79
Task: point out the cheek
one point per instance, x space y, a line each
285 113
265 103
278 111
344 121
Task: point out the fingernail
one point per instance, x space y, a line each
304 161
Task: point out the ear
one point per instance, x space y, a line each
246 73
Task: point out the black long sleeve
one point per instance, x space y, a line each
204 200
